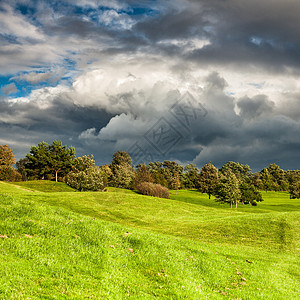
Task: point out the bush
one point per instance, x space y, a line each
153 189
8 173
92 179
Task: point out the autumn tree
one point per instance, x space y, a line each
7 157
208 179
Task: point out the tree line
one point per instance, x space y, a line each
232 183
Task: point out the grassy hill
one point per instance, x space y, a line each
119 245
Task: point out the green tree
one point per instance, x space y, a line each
37 165
295 190
175 183
142 175
60 158
208 179
267 181
242 172
21 167
122 170
158 173
171 171
275 178
85 176
45 159
250 194
227 191
191 176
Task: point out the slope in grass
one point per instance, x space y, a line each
47 252
45 186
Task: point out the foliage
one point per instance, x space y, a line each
274 178
175 182
91 179
191 176
158 173
250 194
8 173
227 190
153 189
21 167
7 157
85 176
240 171
295 190
142 175
44 161
60 158
208 179
122 170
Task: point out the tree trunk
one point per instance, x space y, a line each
56 175
236 204
208 196
230 204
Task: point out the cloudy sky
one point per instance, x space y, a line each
186 80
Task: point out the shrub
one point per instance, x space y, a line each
92 179
153 189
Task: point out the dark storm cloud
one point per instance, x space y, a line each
255 107
263 33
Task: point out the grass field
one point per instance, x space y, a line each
59 244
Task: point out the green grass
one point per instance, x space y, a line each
66 245
45 186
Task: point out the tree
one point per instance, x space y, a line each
157 172
250 194
208 179
227 191
122 170
172 171
7 157
175 184
191 176
60 158
142 175
85 176
274 178
295 190
242 172
45 160
21 167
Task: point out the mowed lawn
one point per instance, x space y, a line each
59 244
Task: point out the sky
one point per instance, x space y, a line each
194 81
